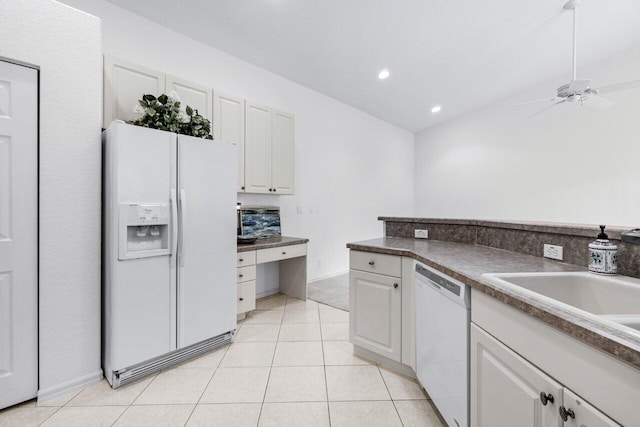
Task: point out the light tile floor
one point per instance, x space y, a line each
290 365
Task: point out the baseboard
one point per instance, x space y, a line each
73 385
328 276
268 293
392 364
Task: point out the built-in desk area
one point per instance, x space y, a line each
289 252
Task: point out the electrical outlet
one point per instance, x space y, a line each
553 252
421 234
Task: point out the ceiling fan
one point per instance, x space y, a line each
579 89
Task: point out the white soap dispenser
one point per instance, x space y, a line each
603 255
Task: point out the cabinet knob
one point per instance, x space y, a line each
240 275
371 262
395 286
565 414
243 187
545 398
241 260
241 299
284 253
275 189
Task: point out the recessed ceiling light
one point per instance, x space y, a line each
436 109
383 74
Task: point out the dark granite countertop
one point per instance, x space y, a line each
271 243
467 263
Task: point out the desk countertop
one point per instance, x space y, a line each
271 243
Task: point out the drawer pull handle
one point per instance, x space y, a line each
241 260
545 398
565 414
241 299
284 253
395 286
371 262
241 275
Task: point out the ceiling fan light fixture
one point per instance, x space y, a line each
436 109
383 74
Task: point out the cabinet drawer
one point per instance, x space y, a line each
282 252
389 265
246 258
246 273
246 296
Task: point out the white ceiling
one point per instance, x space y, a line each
462 54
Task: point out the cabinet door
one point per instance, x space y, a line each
374 313
257 153
505 388
584 415
228 126
283 152
124 84
191 94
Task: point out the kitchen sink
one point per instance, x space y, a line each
612 300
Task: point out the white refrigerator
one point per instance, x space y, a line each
169 292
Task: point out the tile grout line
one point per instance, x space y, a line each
324 368
390 396
208 382
135 398
52 414
264 396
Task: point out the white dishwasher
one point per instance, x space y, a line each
442 342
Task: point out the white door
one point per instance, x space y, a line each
375 320
207 244
18 233
257 152
228 126
283 152
581 414
506 389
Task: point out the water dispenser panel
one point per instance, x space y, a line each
144 231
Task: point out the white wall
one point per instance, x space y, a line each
65 44
350 167
571 164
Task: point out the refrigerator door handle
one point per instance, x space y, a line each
183 230
174 224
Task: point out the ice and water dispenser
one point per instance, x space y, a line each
143 231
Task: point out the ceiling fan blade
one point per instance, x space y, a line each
546 108
538 100
634 84
578 86
598 102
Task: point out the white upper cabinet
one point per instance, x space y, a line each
257 153
195 96
269 150
283 152
228 126
126 82
265 137
124 85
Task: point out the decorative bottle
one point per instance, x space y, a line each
603 255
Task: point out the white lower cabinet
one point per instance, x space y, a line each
375 313
507 391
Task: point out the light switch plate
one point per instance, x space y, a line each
553 252
421 234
